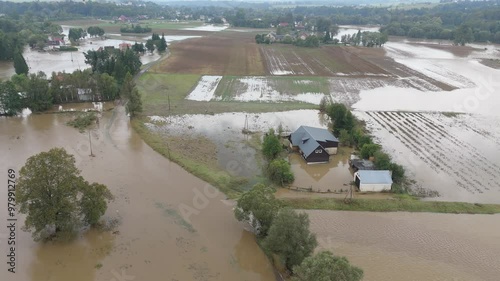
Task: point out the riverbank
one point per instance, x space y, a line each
402 203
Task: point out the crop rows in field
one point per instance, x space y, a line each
445 153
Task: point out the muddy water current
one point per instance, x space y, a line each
154 239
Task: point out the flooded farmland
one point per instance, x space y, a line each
413 246
152 239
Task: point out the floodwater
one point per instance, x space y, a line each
353 30
49 62
413 246
225 131
456 156
334 176
154 238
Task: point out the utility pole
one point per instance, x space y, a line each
90 142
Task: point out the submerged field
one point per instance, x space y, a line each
212 86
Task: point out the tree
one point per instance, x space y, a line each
55 198
10 101
259 207
382 160
324 266
289 237
107 86
20 64
76 34
38 97
368 150
345 138
162 45
280 173
271 147
134 104
462 35
150 45
128 86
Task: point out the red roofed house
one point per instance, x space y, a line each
124 46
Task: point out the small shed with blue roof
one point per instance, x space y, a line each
314 144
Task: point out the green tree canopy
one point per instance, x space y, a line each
280 173
10 100
289 237
271 147
259 207
20 65
55 198
324 266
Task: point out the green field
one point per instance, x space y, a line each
158 88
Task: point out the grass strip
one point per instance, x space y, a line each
397 204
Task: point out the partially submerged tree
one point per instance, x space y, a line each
271 147
55 198
324 266
280 172
130 92
289 237
259 207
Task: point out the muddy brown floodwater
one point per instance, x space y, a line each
154 239
413 246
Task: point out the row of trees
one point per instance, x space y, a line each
284 233
17 33
278 169
157 43
76 34
135 29
352 133
110 77
366 39
94 31
34 91
115 63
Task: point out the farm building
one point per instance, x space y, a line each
373 180
315 144
361 164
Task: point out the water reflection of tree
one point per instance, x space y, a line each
251 258
76 261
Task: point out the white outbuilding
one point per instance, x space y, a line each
373 180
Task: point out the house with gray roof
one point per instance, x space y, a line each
314 144
373 180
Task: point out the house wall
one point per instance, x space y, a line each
374 187
330 146
331 150
318 156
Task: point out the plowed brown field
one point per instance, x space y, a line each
324 61
222 53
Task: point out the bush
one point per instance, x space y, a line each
82 121
271 147
382 161
279 172
398 172
369 150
